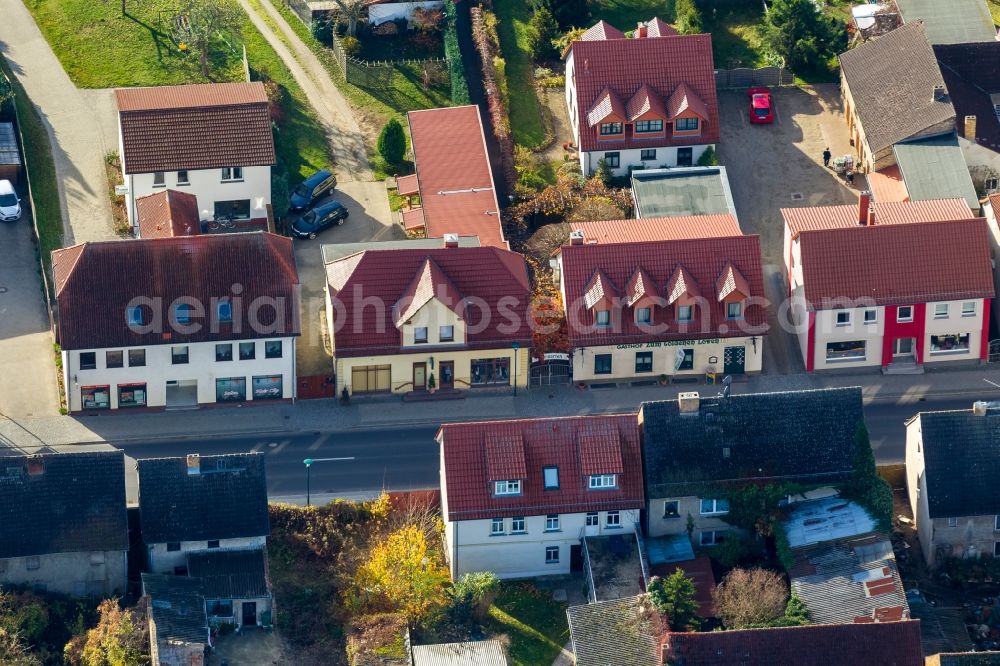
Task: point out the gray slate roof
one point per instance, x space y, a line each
471 653
231 574
804 435
892 80
951 22
177 604
227 500
934 168
962 462
62 503
623 632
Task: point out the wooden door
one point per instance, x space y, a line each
447 374
419 376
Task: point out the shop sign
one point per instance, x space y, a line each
670 343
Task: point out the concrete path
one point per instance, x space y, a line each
349 153
77 122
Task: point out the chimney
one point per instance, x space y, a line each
939 93
970 128
451 240
864 207
979 407
193 464
576 237
688 402
640 31
871 214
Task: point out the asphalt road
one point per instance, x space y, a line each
406 458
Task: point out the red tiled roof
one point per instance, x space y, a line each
200 126
606 104
546 442
95 282
662 64
658 228
898 263
457 194
995 203
643 101
659 28
887 184
486 273
684 99
505 456
596 457
429 282
598 289
413 219
681 284
705 260
640 286
886 212
168 213
407 185
874 644
600 31
731 282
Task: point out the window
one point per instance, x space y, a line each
179 355
517 525
602 364
904 313
213 544
714 506
158 179
950 344
267 387
734 311
614 519
602 481
220 607
508 487
969 309
95 397
686 125
671 508
248 351
97 557
182 178
114 359
232 173
446 333
953 522
551 475
996 549
647 155
272 349
603 317
592 520
643 126
871 316
224 311
136 358
132 395
844 318
552 523
684 157
487 371
685 312
644 361
420 335
552 554
224 352
88 360
182 313
231 389
173 546
496 526
848 350
996 523
613 160
712 537
684 359
238 209
643 315
940 310
31 563
610 128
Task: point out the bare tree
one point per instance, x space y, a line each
350 12
201 24
750 597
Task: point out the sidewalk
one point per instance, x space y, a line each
390 412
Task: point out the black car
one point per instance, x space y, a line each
312 188
319 218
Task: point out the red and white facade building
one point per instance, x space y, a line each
897 285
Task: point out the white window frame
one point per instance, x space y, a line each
739 311
550 476
518 521
552 523
450 337
643 315
715 511
843 318
187 177
714 540
602 317
953 521
873 319
613 519
494 523
159 179
941 310
676 514
416 337
602 481
969 309
593 519
899 314
685 312
507 487
552 554
232 174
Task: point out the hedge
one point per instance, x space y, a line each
459 86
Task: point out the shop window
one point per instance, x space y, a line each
132 395
957 343
644 362
490 371
88 360
136 358
179 355
114 359
684 359
267 388
272 349
95 397
224 352
238 209
846 350
248 351
231 389
602 364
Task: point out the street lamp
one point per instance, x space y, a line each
308 463
515 347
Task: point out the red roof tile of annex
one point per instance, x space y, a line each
703 259
886 212
662 63
168 213
871 644
897 264
552 442
457 193
657 228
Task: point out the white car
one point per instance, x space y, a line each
10 204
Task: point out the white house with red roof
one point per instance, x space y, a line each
643 102
518 497
897 285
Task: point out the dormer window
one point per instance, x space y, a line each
643 315
603 317
686 125
551 475
685 312
599 481
508 487
734 311
648 126
610 128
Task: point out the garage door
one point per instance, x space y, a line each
370 379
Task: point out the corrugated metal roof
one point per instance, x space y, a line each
9 154
676 192
827 519
934 167
472 653
623 632
813 218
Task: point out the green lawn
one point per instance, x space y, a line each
625 14
525 107
535 624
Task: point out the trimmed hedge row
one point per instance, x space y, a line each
459 86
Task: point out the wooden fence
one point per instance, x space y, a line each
744 77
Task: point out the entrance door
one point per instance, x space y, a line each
249 613
734 360
575 559
447 374
182 394
419 376
904 348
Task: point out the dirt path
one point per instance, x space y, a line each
343 131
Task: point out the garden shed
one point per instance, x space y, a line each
10 156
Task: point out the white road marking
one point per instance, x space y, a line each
319 442
281 446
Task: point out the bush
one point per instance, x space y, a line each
866 487
392 143
459 86
473 594
708 158
603 172
750 597
798 32
674 597
564 41
731 552
542 31
569 13
688 21
351 46
323 32
280 192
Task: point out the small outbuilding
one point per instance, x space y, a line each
10 155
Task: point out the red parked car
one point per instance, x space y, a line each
761 111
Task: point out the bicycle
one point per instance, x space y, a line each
222 222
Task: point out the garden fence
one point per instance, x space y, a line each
744 77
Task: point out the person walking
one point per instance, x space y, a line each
850 177
826 157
